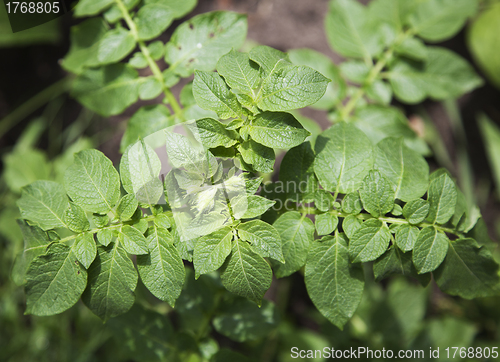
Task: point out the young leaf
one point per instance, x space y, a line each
349 30
260 157
246 273
211 251
35 243
150 88
126 207
107 90
112 281
412 48
178 8
85 40
212 133
336 89
296 170
405 169
442 197
213 94
430 249
91 7
239 72
297 232
380 92
290 88
257 205
406 236
115 45
369 241
444 75
92 182
162 271
153 19
277 130
199 42
416 211
376 193
468 271
333 283
139 170
326 223
350 225
355 70
106 237
351 203
437 20
270 60
263 238
85 249
44 203
343 158
55 281
133 241
76 219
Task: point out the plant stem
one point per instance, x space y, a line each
33 104
176 108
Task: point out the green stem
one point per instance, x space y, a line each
390 220
176 108
33 104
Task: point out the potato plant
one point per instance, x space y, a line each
354 201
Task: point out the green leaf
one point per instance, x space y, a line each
444 75
162 271
296 232
263 238
115 45
355 70
246 273
76 219
24 166
260 157
412 48
133 241
277 130
336 89
369 241
126 207
152 20
333 283
290 88
211 250
257 205
406 237
106 237
44 203
442 197
430 249
270 60
199 42
213 94
469 271
243 321
212 133
139 170
107 90
55 281
85 249
156 49
394 261
35 243
380 92
100 220
326 223
146 121
296 170
405 169
437 20
351 203
350 225
483 42
491 136
85 40
227 355
92 182
416 211
179 8
376 193
112 281
150 88
91 7
343 158
349 30
239 72
393 12
163 221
